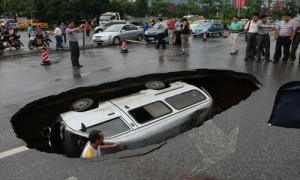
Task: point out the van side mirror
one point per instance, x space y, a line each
83 128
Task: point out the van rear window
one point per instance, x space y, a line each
110 128
186 99
149 112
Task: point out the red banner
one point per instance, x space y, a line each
241 3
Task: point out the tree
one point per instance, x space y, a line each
159 8
14 8
253 6
142 8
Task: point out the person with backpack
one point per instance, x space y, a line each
251 30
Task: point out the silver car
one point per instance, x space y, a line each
116 33
148 117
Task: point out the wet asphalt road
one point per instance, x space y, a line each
236 144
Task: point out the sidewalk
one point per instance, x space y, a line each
25 50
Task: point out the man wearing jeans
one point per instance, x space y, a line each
73 43
235 27
284 35
296 40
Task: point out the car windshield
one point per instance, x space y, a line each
186 99
205 24
114 28
12 21
105 18
110 128
150 112
156 25
197 22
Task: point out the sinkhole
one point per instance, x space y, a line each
227 88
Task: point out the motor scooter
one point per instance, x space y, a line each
38 40
6 42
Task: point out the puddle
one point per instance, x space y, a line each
227 89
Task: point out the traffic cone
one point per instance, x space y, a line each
204 36
45 60
124 48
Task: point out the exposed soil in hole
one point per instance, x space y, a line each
227 89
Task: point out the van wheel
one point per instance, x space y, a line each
156 85
84 104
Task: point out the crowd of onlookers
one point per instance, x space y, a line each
287 36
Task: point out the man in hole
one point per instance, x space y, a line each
95 144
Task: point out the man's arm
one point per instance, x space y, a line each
293 34
109 146
77 29
276 34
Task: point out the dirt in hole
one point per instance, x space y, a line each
227 89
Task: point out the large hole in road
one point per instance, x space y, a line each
227 88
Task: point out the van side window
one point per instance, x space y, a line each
149 112
185 99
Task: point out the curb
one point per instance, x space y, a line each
39 50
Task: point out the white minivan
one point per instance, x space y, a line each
148 117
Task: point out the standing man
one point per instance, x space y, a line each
95 145
263 38
235 28
296 40
178 32
251 30
185 33
29 30
57 34
161 34
73 43
63 28
87 28
171 27
284 35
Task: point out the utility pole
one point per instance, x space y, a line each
239 8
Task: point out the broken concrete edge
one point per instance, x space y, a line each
146 78
60 102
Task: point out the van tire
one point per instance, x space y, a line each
82 105
155 85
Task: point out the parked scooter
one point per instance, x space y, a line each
38 40
16 43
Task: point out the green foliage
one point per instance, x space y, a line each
159 8
253 6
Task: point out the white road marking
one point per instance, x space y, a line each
213 144
72 178
13 151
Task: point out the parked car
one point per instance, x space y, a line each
2 22
210 27
148 117
195 23
105 26
152 33
13 22
116 33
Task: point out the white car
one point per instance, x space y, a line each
114 34
148 117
